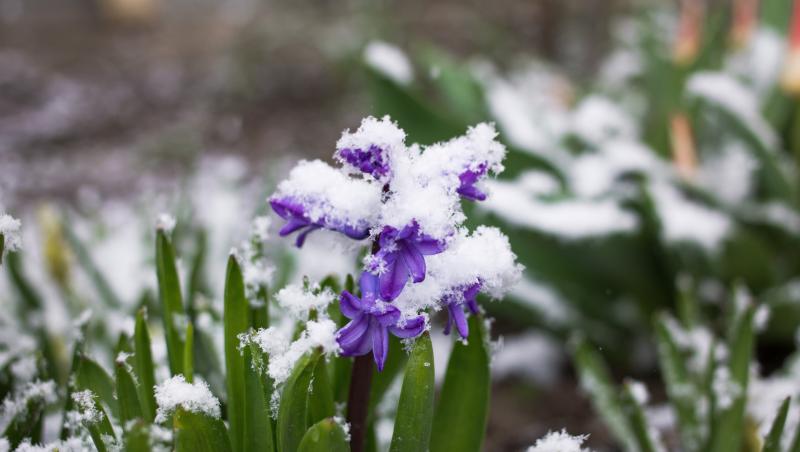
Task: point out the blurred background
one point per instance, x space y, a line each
653 149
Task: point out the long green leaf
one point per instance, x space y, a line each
143 366
236 320
644 434
94 378
198 432
596 381
188 353
137 438
464 401
129 407
85 260
169 292
321 404
773 440
730 421
293 409
680 387
258 425
412 426
2 247
324 436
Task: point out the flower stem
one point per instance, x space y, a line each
358 401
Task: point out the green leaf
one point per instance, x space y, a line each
129 406
98 425
320 404
137 438
188 353
169 292
596 381
772 442
259 311
293 409
198 432
680 388
258 425
412 426
729 424
642 431
464 401
2 247
94 378
236 320
143 366
324 436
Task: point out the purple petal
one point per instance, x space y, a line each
292 225
386 314
353 232
369 286
301 238
380 345
350 306
393 280
428 245
409 328
351 336
471 192
409 231
457 316
415 263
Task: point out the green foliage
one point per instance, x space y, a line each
236 318
464 401
324 436
412 426
169 292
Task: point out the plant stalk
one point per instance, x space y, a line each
358 401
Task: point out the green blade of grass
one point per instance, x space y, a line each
772 442
236 321
129 407
198 432
321 405
169 292
143 366
188 353
293 410
464 401
729 423
324 436
137 438
412 426
596 381
27 423
644 434
85 260
93 377
258 425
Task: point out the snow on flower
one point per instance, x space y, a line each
176 393
407 199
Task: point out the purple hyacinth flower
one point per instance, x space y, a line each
297 219
400 255
468 179
371 161
455 309
371 321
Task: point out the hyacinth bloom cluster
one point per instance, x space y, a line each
403 202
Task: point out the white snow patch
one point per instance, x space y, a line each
194 397
390 61
559 442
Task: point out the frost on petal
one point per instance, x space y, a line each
317 195
559 442
177 392
463 264
372 148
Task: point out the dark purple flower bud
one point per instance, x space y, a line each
371 321
455 309
400 256
371 161
468 179
297 219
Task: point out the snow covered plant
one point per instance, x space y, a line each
9 234
402 205
717 399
